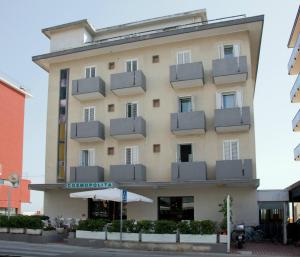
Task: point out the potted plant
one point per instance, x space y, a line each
129 231
34 226
3 224
72 228
223 224
17 224
164 231
59 224
91 229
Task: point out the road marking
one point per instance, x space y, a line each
38 253
40 248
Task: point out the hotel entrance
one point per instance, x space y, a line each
109 210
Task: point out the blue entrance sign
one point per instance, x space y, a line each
124 196
95 185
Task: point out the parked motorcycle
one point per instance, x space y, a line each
238 236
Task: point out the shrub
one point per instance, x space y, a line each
144 226
184 227
195 227
115 226
3 222
18 221
165 226
130 226
207 227
34 223
92 224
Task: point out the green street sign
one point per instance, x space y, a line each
95 185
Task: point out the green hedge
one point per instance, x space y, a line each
197 227
165 227
92 224
3 222
29 222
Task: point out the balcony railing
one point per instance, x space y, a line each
234 170
187 75
232 119
188 123
88 88
128 83
297 153
230 70
128 128
128 173
295 92
296 122
294 62
86 174
87 131
188 171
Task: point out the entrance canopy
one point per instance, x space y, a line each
111 194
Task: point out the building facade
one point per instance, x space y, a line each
12 104
161 107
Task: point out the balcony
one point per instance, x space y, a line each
128 83
188 171
128 173
294 62
188 123
230 70
297 153
232 119
128 128
187 75
295 92
234 170
87 131
296 122
88 89
86 174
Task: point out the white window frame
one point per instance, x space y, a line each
235 46
132 161
137 108
238 98
89 108
186 96
178 151
89 67
229 93
183 52
238 148
131 60
91 153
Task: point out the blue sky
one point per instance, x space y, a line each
20 29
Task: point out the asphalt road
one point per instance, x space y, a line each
20 249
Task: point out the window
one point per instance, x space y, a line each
110 151
231 150
111 65
156 148
89 113
185 104
155 59
111 108
131 65
176 208
87 157
229 51
131 155
184 153
90 72
228 100
156 103
184 57
131 110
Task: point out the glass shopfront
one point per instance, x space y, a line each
105 210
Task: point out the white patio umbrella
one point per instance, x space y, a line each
110 194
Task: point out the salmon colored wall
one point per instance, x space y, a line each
11 143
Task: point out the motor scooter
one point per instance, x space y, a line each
238 236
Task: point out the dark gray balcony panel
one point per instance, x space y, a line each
234 170
128 83
128 128
297 153
230 70
232 119
188 123
86 174
128 173
296 122
294 62
295 91
87 131
188 171
187 75
88 88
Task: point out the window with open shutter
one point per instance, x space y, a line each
135 154
184 57
89 113
84 158
91 157
231 150
90 72
131 110
128 155
131 65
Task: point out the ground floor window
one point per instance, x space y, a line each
4 211
176 208
105 210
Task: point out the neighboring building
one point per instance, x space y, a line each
12 104
161 107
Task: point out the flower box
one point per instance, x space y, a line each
189 238
17 230
90 234
125 236
159 238
3 230
223 239
33 231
